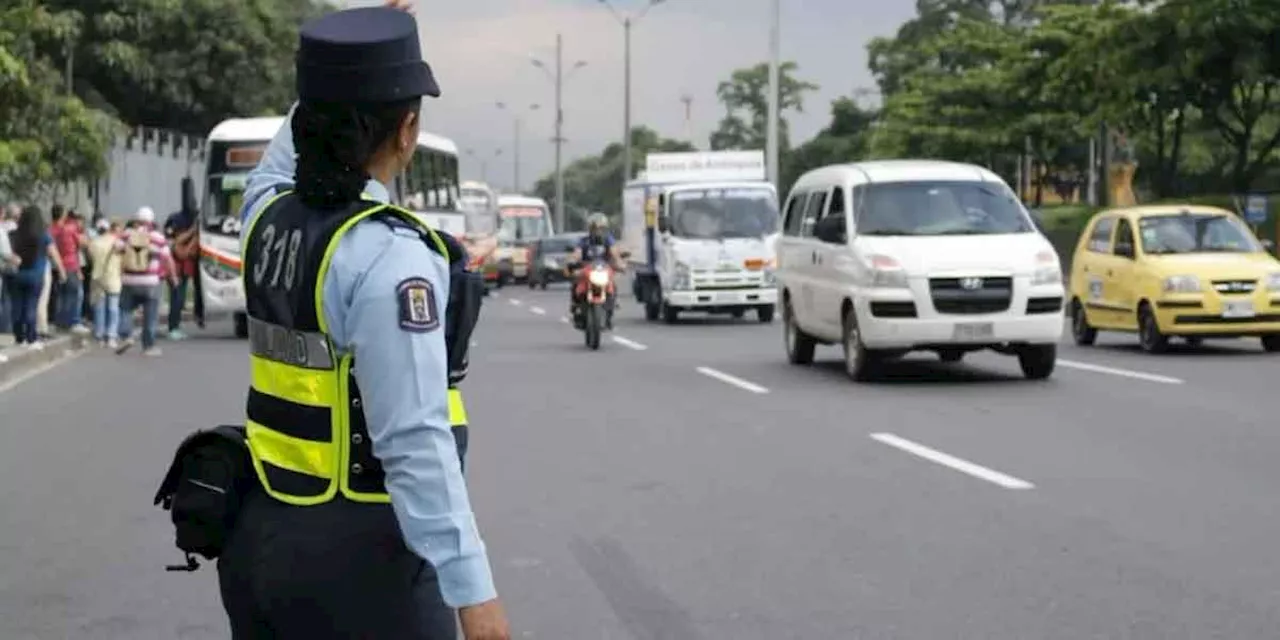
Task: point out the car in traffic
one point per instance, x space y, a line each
1173 271
888 257
548 256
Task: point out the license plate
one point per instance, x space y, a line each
1238 309
973 331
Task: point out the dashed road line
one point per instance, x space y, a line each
538 311
564 319
947 460
1124 373
515 301
630 344
732 380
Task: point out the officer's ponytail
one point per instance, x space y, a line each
335 142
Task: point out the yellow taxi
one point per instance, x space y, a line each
1164 271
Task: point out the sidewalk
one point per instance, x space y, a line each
17 361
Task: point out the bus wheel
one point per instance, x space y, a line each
242 325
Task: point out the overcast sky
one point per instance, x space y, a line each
481 52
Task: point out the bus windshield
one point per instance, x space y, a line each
519 224
223 197
715 214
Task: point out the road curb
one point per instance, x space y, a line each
19 361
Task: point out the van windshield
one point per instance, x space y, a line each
940 208
715 214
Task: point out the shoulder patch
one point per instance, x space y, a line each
417 302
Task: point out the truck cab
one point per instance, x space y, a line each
703 245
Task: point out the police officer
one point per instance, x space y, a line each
363 528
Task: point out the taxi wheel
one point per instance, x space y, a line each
1083 334
860 363
799 345
1149 335
1271 343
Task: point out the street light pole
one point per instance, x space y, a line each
515 143
771 130
627 22
559 133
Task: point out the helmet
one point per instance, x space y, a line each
597 223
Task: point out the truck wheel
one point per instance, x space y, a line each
670 314
241 321
738 313
652 310
765 313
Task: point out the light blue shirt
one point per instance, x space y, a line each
403 377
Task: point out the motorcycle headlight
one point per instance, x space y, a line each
1047 271
1182 284
1273 281
886 273
598 277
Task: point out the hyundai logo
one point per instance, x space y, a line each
970 284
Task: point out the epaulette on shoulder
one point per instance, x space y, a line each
457 252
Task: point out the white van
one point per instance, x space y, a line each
894 256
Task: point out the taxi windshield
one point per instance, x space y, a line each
1178 233
715 214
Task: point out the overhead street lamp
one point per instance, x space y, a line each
483 160
515 143
627 21
771 130
558 79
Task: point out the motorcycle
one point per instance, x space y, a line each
596 292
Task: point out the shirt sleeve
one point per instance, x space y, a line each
402 370
274 172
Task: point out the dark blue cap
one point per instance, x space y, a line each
363 55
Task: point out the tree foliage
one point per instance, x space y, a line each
745 96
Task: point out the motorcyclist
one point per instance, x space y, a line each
597 245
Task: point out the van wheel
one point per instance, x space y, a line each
799 345
860 363
1038 360
241 321
1271 343
1149 335
1083 334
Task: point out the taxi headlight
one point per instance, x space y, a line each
1182 284
1273 281
886 273
598 277
1046 275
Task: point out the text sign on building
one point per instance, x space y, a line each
699 166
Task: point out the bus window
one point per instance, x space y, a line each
451 182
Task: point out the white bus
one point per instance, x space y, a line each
235 146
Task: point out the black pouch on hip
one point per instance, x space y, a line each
211 474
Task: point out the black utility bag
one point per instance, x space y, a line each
211 475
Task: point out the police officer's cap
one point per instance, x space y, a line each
363 55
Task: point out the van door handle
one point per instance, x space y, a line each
813 257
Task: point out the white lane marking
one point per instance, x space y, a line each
564 319
733 380
1125 373
947 460
630 344
3 358
73 354
538 310
514 301
474 343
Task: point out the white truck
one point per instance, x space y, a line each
701 229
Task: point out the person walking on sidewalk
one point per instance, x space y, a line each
34 247
68 235
180 231
104 282
144 256
9 261
47 300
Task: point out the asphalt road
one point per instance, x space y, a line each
686 483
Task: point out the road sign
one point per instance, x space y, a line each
1255 209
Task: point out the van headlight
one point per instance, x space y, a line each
1182 284
1273 281
886 273
681 279
598 277
1048 269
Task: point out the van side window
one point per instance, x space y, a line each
812 211
1100 238
795 211
836 206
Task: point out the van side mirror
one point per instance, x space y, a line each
664 225
1124 249
831 229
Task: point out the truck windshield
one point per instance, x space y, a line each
715 214
221 211
940 209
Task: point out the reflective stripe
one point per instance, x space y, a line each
292 454
294 384
289 346
328 256
457 410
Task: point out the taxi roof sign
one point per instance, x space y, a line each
704 166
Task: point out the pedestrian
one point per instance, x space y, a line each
34 246
105 282
48 298
371 457
88 232
9 261
68 235
180 230
144 256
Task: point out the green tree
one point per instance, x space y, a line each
745 96
846 139
47 137
594 183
